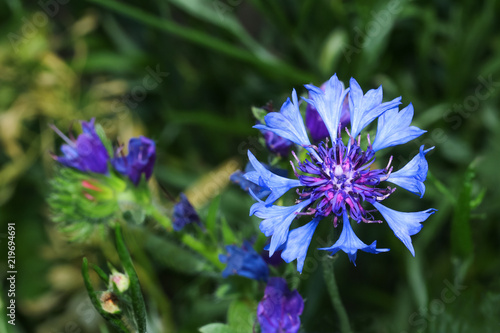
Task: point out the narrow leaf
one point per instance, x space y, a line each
135 289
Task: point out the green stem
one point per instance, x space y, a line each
187 239
199 247
161 218
333 290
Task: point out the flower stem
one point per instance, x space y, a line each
187 239
333 290
161 218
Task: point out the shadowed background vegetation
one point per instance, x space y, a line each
186 73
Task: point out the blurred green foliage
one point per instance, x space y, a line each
187 73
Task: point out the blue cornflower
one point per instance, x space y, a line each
244 261
87 153
140 159
184 214
339 179
280 308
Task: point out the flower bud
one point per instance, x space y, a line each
120 281
109 302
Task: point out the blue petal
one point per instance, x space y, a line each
328 103
287 123
404 224
365 109
412 176
298 242
350 243
265 178
394 128
276 221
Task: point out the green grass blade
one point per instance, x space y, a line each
279 69
135 289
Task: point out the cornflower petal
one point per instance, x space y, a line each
394 128
404 224
287 123
366 108
298 242
265 178
350 243
276 221
328 103
412 176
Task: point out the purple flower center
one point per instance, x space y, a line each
339 178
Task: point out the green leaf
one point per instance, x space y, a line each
259 114
241 315
332 51
461 237
135 289
101 273
227 233
216 328
478 200
221 14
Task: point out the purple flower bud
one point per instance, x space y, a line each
140 159
184 213
87 153
280 308
274 260
244 261
276 144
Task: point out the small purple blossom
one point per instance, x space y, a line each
280 309
244 261
340 179
140 159
184 214
87 153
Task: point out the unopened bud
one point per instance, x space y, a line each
109 302
121 281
